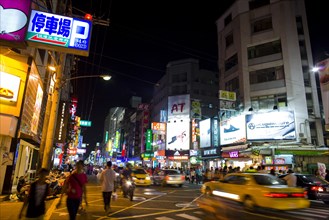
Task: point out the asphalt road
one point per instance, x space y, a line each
165 203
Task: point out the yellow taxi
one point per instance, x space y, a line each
141 177
257 190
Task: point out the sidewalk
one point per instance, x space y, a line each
5 197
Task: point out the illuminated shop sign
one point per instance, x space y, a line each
210 152
215 132
196 109
36 110
227 95
233 130
158 126
178 135
9 87
148 139
234 154
85 123
178 107
205 133
117 139
271 126
67 34
14 19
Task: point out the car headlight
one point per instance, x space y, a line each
134 178
147 178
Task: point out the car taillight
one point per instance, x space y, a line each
317 188
299 195
182 177
167 178
276 195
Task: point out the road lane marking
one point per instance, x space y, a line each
193 200
51 209
190 217
156 213
164 218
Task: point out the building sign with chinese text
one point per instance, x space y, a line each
65 34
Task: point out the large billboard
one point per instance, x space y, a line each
14 20
233 130
178 135
57 32
179 107
271 126
205 133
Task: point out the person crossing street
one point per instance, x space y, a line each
107 180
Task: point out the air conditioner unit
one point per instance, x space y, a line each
301 135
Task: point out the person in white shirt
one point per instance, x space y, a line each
107 179
291 179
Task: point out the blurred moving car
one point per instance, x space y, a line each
141 177
257 190
317 188
168 177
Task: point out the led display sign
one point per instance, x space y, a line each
66 34
205 133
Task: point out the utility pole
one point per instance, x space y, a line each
49 142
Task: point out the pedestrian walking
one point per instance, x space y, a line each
107 180
291 179
75 188
35 201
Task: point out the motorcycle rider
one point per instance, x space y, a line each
125 176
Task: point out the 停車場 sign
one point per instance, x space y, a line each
57 32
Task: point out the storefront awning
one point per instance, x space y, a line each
235 148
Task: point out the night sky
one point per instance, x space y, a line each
143 36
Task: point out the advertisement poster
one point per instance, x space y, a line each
322 170
233 130
205 133
271 126
178 135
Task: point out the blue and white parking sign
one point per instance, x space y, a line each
70 35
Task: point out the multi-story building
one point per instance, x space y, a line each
185 78
265 57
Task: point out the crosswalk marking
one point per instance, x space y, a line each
190 217
308 214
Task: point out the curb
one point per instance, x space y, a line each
4 198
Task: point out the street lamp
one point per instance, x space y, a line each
48 131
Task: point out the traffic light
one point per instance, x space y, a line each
89 17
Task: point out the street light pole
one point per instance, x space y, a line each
49 141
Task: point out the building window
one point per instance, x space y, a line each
267 75
261 25
232 85
306 75
299 24
228 19
231 62
253 4
264 49
269 101
182 77
229 40
309 101
179 89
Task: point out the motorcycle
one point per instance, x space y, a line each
128 188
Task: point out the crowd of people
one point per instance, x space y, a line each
76 192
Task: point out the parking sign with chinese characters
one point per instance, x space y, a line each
57 32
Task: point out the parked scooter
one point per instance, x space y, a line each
22 189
